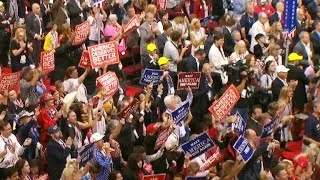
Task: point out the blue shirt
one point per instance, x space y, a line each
104 161
312 128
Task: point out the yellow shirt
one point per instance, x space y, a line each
51 41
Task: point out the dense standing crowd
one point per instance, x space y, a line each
48 119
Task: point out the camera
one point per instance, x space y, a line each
234 71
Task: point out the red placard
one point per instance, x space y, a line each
85 60
162 4
162 137
155 177
211 161
104 54
47 61
8 81
133 24
188 79
124 113
221 107
110 83
82 32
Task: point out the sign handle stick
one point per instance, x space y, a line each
287 52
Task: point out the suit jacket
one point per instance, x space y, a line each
33 26
276 86
200 102
229 44
59 15
315 39
145 34
46 17
161 41
300 94
56 157
146 62
191 65
74 13
273 18
301 50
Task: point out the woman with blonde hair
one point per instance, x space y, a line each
181 23
20 51
197 35
71 170
274 54
240 52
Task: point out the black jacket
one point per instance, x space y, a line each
191 65
229 44
315 39
300 94
276 86
56 157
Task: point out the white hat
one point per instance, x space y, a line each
96 137
263 1
282 68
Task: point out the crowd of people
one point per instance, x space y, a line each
50 118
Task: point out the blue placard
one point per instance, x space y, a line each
243 147
290 15
151 75
240 124
198 146
181 113
268 128
196 178
86 155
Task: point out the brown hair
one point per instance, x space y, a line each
69 71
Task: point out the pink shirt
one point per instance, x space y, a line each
112 31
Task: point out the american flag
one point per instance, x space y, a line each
289 35
97 3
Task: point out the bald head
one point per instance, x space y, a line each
280 7
263 18
36 8
206 68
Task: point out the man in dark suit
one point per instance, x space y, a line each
279 82
315 38
277 16
77 11
46 13
202 96
304 47
229 43
57 153
150 61
59 13
297 74
253 121
194 63
246 22
164 37
34 28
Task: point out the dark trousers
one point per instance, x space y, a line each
37 48
3 173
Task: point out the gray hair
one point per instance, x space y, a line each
168 100
302 34
113 16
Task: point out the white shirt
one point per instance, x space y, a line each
257 28
10 158
309 52
94 27
71 85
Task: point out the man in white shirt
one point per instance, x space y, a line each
259 27
10 148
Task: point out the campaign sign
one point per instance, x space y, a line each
243 147
206 20
268 128
240 124
110 83
188 79
133 24
221 107
84 61
290 17
82 32
104 54
151 76
210 161
129 109
86 155
8 81
181 113
198 146
154 177
162 137
161 4
47 61
196 178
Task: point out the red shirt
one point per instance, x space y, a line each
199 9
45 120
268 9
